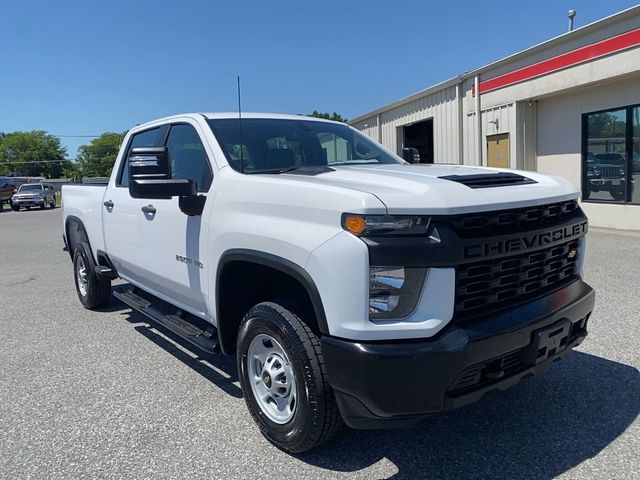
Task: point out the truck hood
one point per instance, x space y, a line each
28 194
420 188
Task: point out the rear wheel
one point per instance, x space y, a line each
283 377
16 208
93 291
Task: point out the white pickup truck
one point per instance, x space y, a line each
351 285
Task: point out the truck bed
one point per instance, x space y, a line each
84 201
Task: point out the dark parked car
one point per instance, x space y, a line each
7 189
605 172
34 195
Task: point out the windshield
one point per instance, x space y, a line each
30 187
277 145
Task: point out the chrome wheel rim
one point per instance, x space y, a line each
272 380
81 275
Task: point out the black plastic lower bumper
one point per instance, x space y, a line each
383 384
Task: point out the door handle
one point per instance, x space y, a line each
149 209
108 204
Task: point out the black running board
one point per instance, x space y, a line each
204 339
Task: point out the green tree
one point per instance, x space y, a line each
97 158
329 116
34 153
73 172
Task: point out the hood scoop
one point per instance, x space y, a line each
488 180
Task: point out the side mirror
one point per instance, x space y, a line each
150 175
411 155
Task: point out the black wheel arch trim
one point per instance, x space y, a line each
68 221
277 263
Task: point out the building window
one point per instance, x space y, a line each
611 155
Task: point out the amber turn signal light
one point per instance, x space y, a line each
355 223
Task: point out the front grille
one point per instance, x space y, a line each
487 286
478 375
486 224
609 172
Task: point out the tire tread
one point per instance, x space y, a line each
327 419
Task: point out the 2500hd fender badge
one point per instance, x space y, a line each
525 242
189 261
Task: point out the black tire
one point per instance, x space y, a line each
16 208
97 291
44 205
53 203
28 208
617 194
316 417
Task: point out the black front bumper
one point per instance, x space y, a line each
390 384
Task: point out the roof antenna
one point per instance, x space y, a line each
240 128
571 14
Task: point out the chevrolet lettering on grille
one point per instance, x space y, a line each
524 242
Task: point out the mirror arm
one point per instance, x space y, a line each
192 204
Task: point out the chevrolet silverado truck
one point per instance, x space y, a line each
352 287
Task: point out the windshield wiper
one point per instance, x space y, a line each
301 170
272 172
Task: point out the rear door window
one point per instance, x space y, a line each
148 138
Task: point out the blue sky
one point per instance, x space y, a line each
84 67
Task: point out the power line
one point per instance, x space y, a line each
74 136
35 161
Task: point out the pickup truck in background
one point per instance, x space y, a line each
606 172
34 195
350 285
7 189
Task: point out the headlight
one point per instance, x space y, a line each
385 224
622 172
394 291
596 172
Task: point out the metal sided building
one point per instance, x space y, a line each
569 106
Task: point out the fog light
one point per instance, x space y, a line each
394 291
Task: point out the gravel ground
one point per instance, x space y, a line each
102 395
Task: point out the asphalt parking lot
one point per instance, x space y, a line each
103 395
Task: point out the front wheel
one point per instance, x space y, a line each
617 194
283 378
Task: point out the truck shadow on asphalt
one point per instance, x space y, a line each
540 428
218 369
